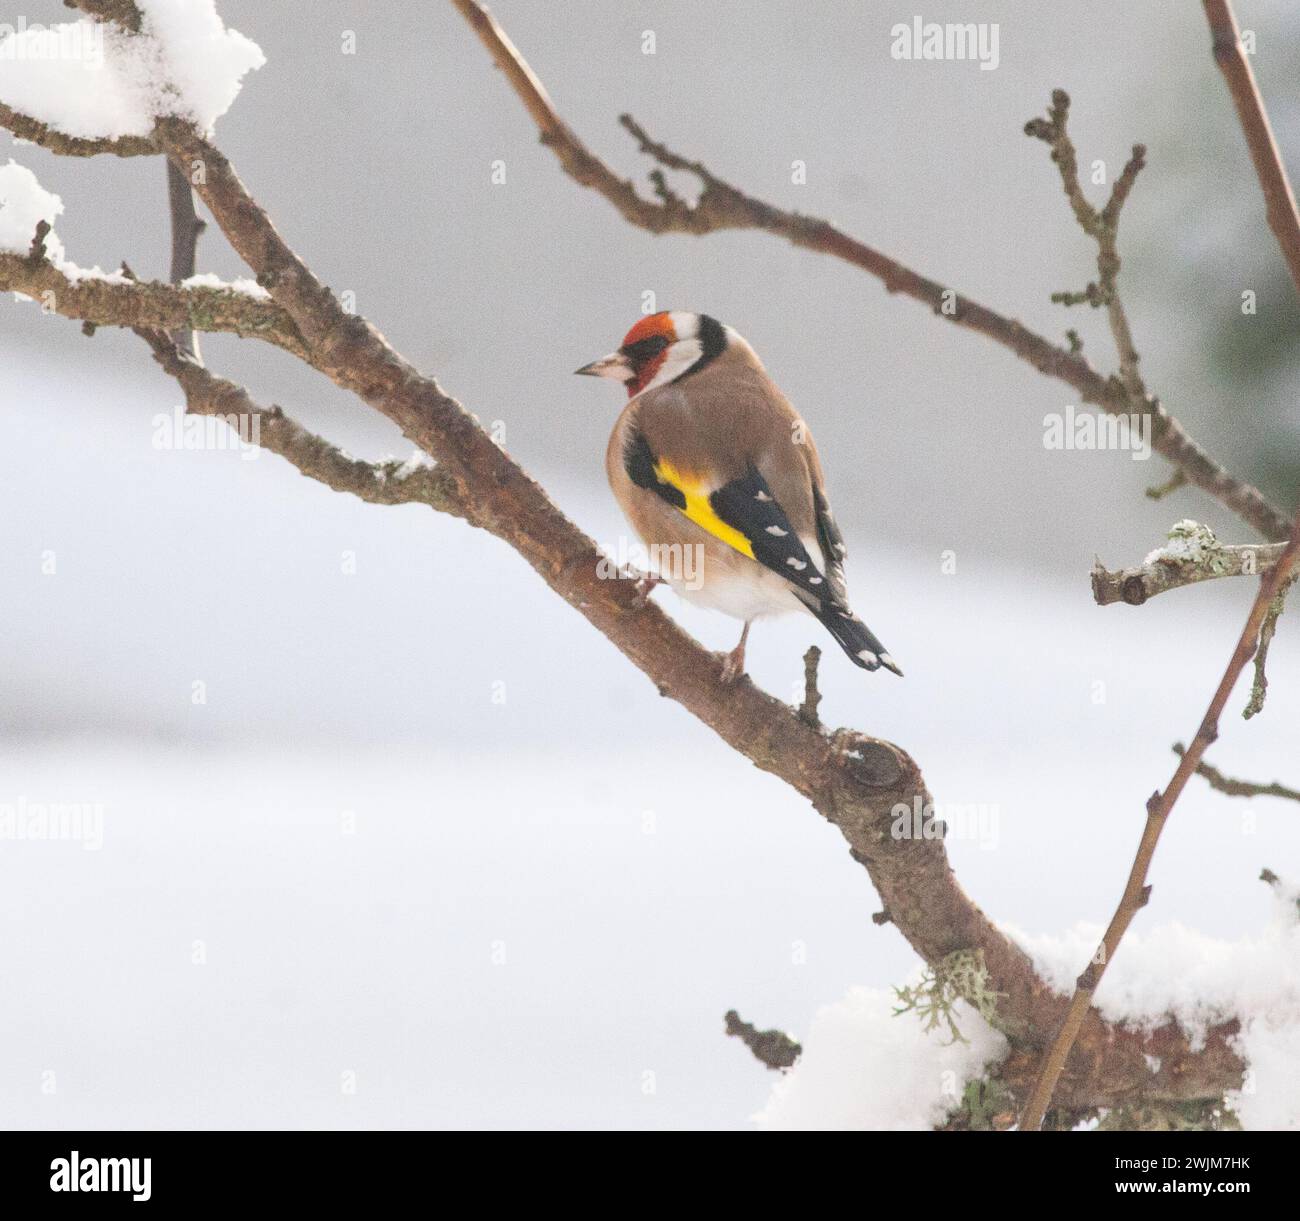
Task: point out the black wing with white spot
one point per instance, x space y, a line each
832 541
747 505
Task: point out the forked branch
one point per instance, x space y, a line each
1103 227
381 483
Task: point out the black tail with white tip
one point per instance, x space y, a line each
853 636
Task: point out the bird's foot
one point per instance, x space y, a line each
644 587
733 664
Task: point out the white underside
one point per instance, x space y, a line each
737 586
743 596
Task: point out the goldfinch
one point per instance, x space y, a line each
720 477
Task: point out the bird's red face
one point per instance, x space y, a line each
641 355
645 347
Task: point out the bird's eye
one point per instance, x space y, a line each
645 349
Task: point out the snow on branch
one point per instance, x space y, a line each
864 1067
35 132
98 84
100 299
33 264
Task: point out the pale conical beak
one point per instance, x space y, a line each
614 365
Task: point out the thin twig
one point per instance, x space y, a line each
1279 199
186 230
1238 788
1175 481
811 696
773 1048
37 250
1159 807
1259 688
1103 228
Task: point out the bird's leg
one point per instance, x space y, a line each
734 665
644 587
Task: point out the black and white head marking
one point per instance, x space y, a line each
700 340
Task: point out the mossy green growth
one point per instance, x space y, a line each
1206 1115
961 975
1190 542
986 1106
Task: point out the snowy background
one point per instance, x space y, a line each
430 836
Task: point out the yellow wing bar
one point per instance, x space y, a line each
698 508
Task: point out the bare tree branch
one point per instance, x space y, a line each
773 1048
1259 688
383 483
1159 807
1279 199
721 206
1238 788
148 304
1175 481
269 428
